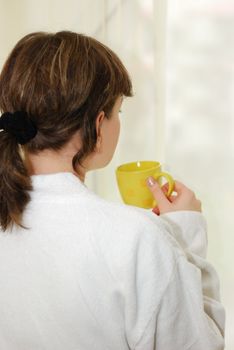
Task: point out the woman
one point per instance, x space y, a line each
77 271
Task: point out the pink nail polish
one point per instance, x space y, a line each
150 181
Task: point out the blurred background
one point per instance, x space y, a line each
180 55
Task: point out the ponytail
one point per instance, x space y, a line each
15 183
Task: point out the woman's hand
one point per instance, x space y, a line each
183 199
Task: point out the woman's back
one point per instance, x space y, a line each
92 274
69 282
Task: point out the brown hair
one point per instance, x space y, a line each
62 80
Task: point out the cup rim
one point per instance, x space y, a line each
154 164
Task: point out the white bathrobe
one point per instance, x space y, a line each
91 274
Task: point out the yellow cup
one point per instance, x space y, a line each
131 180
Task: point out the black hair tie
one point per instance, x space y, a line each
19 125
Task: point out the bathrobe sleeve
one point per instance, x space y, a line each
186 310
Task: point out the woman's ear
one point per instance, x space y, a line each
99 121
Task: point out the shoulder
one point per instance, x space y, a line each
126 234
126 220
121 217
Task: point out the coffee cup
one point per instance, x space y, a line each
131 180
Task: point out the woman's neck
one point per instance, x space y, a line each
47 162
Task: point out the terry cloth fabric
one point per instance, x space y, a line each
90 274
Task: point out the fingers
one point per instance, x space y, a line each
158 194
182 198
179 187
165 188
156 210
172 198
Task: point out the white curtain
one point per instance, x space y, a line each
180 58
200 122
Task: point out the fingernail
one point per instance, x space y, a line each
150 181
